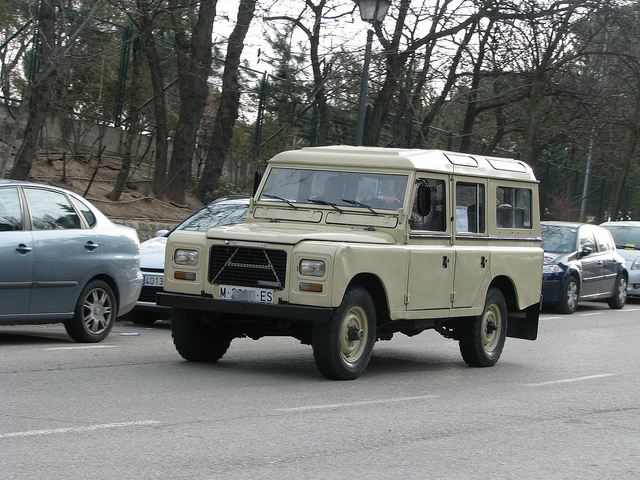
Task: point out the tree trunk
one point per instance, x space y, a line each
227 113
133 130
194 66
159 103
41 94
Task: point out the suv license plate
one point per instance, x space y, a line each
243 294
153 280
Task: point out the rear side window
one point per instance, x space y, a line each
513 207
10 214
470 207
86 211
51 210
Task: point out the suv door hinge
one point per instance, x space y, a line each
407 298
453 297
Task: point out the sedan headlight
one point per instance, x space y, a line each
312 268
186 257
552 269
635 265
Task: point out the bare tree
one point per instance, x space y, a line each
229 103
193 51
54 43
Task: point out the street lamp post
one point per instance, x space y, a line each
371 11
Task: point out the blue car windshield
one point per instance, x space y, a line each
559 239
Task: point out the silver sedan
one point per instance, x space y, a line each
63 261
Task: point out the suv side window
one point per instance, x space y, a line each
513 208
10 213
470 207
435 220
51 210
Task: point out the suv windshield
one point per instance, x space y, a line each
334 188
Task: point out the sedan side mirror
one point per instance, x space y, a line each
585 251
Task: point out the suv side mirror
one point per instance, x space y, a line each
257 177
585 251
424 199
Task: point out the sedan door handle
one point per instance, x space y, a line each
23 249
91 246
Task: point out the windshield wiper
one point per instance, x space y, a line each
627 247
275 197
360 204
324 202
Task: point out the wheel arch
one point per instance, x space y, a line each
375 287
112 284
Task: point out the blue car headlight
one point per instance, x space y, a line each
552 269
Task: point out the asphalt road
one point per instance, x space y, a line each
563 407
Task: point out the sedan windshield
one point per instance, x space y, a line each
215 215
558 238
334 188
625 236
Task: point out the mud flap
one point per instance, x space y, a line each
524 324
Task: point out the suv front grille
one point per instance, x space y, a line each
248 267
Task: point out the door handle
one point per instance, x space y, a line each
445 261
483 262
91 246
23 249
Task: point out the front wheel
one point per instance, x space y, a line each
568 302
619 298
95 313
482 338
342 348
196 340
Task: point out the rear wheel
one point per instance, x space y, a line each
619 298
342 348
482 338
568 302
95 313
196 340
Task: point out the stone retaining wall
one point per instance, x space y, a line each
146 230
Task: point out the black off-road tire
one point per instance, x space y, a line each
143 318
95 313
568 302
195 340
482 338
619 298
342 348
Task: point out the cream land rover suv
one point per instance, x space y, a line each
343 246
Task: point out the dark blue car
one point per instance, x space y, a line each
581 263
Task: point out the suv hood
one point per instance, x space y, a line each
291 234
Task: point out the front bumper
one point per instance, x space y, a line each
214 305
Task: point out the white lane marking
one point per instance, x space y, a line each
551 318
590 314
80 347
568 380
88 428
353 404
